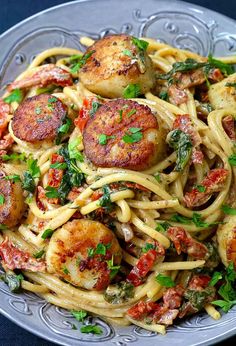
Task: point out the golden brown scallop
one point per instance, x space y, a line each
115 63
226 238
38 118
79 253
223 95
12 207
123 133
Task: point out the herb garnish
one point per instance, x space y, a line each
165 280
80 61
63 129
228 210
140 44
134 136
231 85
58 165
74 153
47 233
2 199
232 159
200 188
91 329
196 219
105 201
13 281
32 173
147 247
95 106
39 254
14 177
131 112
132 91
80 315
15 96
14 156
102 138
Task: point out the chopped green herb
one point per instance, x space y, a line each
200 188
101 249
39 254
102 139
163 95
225 68
158 177
33 168
181 143
165 280
196 219
228 210
105 201
14 156
181 219
132 91
119 293
80 315
28 182
65 270
232 159
13 281
52 192
90 252
128 53
74 153
65 127
47 233
2 226
215 278
81 61
140 44
113 269
91 329
95 106
130 113
46 90
135 136
15 96
121 115
162 227
59 165
52 100
14 177
2 199
147 247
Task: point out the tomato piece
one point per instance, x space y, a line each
199 282
173 296
141 309
15 258
228 125
213 182
184 123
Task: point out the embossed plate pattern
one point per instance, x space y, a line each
178 23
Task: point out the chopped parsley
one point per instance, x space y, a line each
93 329
14 177
74 153
65 270
95 106
134 136
38 110
47 233
157 176
14 156
80 60
147 247
2 226
140 44
63 129
215 278
13 281
231 85
15 96
228 210
80 315
52 192
113 269
232 159
102 138
59 165
162 227
130 113
119 293
165 281
32 173
200 188
132 91
163 95
39 254
120 115
2 199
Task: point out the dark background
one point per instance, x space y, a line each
12 12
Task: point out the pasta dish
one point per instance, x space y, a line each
117 182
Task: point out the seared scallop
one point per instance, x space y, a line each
123 133
223 94
80 252
38 118
12 206
226 238
115 62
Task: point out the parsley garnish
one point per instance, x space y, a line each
181 143
113 269
15 96
232 159
102 138
32 173
231 85
133 111
105 200
80 315
215 278
38 110
13 281
200 188
162 227
132 91
121 115
52 192
95 106
196 219
91 329
14 156
225 68
140 44
47 233
134 136
147 247
59 165
163 95
128 53
14 177
81 61
2 199
165 280
157 176
74 153
228 210
63 129
39 254
65 270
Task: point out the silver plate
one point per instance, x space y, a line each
178 23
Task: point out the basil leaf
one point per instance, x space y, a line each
14 177
95 106
105 201
181 143
52 192
14 156
28 182
81 61
59 165
225 68
215 278
74 153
